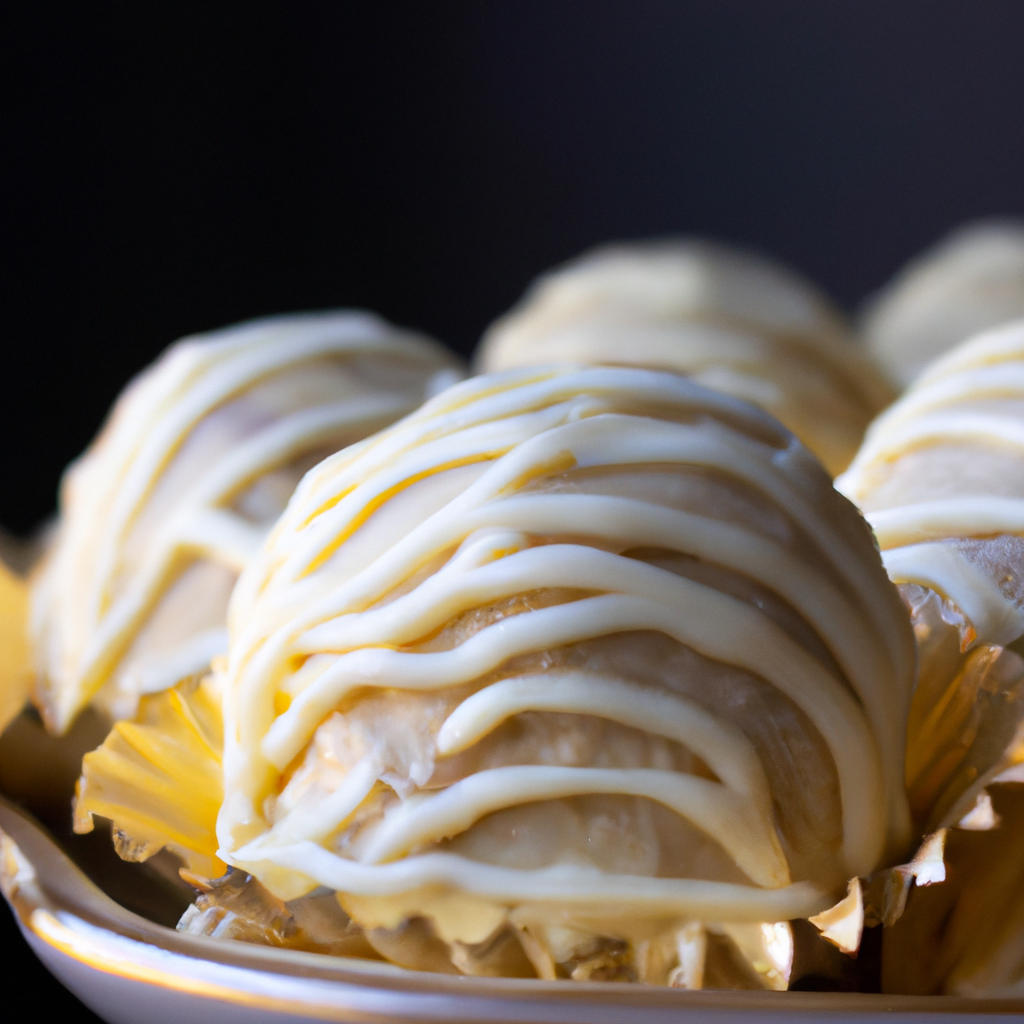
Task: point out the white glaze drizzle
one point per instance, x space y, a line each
562 886
944 569
979 515
309 621
86 611
725 748
715 808
946 408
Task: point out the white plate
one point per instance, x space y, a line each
130 970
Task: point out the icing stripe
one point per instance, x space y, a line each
979 515
317 821
944 569
984 382
724 815
948 427
710 622
592 442
570 886
728 753
940 411
93 598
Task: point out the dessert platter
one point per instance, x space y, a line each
667 664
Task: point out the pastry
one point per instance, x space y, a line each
580 672
941 479
198 458
733 321
971 281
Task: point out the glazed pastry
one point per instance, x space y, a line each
571 672
941 480
940 477
731 320
970 282
197 460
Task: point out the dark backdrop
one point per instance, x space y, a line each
169 168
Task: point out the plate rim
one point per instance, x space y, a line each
58 906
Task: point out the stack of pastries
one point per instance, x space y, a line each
580 668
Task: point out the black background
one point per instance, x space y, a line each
169 168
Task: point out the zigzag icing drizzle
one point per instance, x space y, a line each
151 521
465 505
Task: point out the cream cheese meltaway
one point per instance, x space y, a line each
578 651
729 319
197 460
941 480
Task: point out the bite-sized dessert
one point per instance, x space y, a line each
941 479
581 672
969 282
731 320
198 458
